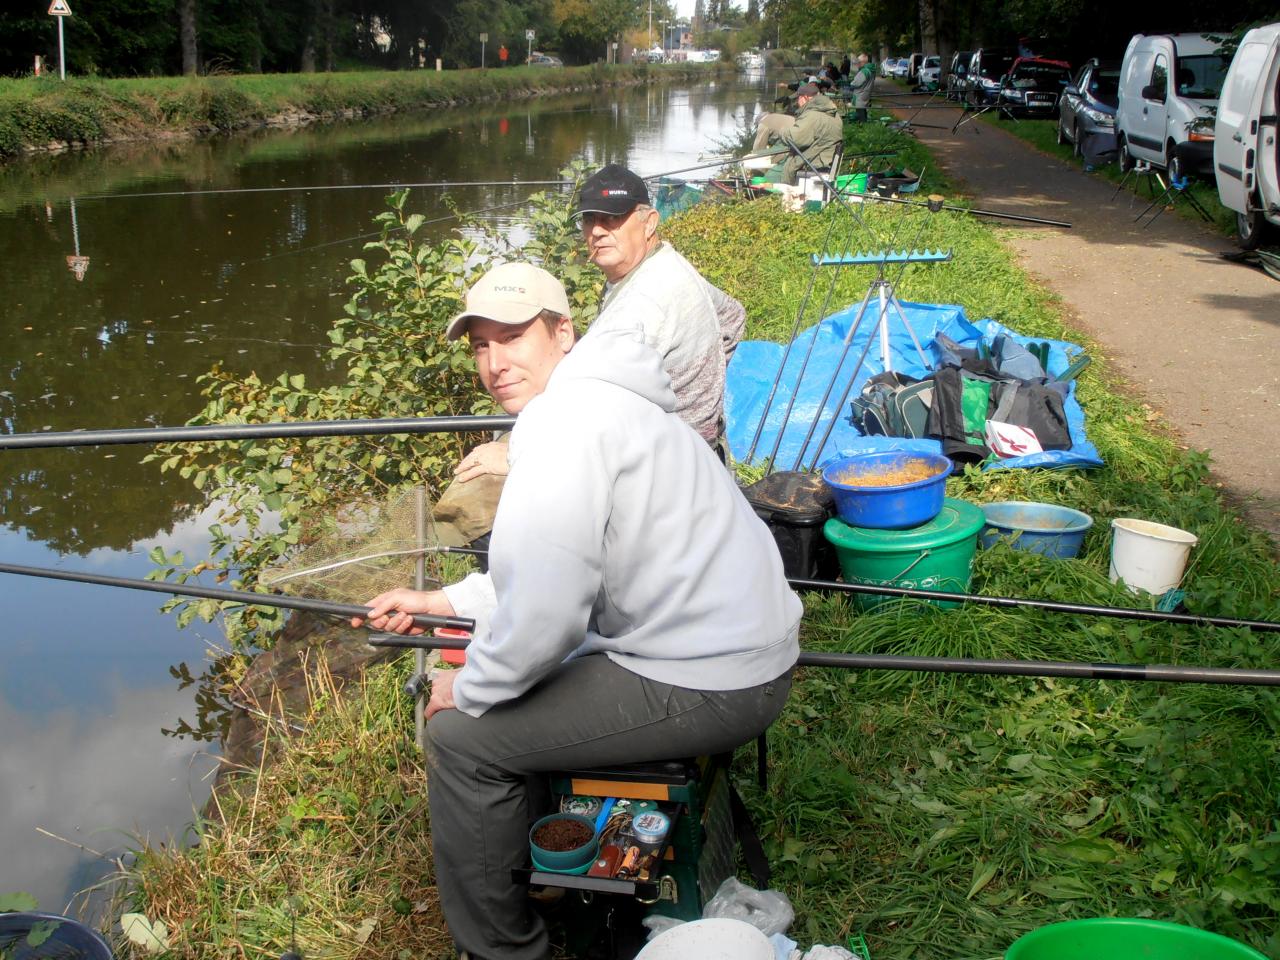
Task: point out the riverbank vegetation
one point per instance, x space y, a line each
46 113
941 816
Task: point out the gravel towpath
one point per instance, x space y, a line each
1197 337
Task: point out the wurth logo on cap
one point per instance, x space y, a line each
614 192
509 288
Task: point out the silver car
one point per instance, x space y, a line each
1087 110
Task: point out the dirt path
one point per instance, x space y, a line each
1197 336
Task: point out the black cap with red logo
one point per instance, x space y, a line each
612 189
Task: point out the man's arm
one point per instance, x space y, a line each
547 557
732 318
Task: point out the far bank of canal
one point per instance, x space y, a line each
193 254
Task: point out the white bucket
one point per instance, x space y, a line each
719 938
1149 556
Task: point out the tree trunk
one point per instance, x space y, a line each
928 27
187 37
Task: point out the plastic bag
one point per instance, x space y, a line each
769 911
657 923
820 952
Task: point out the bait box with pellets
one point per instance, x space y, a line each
794 506
693 851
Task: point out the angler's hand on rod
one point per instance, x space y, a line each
488 458
392 611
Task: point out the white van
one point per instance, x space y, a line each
1168 93
1246 154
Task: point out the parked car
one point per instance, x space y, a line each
1087 109
901 67
986 67
887 65
958 74
930 71
1246 155
1169 89
1032 86
537 59
914 62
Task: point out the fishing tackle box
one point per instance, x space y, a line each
601 915
794 506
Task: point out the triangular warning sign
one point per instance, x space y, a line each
59 8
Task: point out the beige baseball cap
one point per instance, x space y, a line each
511 293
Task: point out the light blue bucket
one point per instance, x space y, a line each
1044 528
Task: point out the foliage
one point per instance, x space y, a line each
326 852
398 364
36 112
944 816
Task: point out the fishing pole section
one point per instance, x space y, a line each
1169 673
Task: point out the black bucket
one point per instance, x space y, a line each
795 506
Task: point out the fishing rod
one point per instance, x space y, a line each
808 658
247 598
257 431
1151 673
981 213
1052 606
442 184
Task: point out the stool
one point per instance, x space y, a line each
708 820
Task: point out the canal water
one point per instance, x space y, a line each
127 274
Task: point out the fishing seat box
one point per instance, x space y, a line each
794 506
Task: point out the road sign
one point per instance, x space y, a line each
484 38
528 34
59 8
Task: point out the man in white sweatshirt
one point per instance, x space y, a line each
635 608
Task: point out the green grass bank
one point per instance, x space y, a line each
941 816
45 113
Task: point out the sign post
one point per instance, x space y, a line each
528 35
484 38
59 9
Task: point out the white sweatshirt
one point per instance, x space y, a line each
619 531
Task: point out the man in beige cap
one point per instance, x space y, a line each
635 606
508 296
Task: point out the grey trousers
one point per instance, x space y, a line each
589 712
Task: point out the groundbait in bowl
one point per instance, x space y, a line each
893 490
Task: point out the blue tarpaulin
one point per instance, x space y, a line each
755 365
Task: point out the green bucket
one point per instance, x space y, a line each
852 183
1105 937
937 555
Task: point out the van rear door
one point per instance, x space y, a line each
1245 134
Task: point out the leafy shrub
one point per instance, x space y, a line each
398 364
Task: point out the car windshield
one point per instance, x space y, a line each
1104 86
993 66
1200 78
932 62
1042 76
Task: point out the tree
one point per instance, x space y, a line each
187 37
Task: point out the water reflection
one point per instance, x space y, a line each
175 284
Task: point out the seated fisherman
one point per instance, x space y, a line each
635 608
694 326
814 136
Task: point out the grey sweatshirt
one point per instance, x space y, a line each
620 532
693 325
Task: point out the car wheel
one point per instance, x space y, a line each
1125 158
1251 226
1077 150
1172 165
